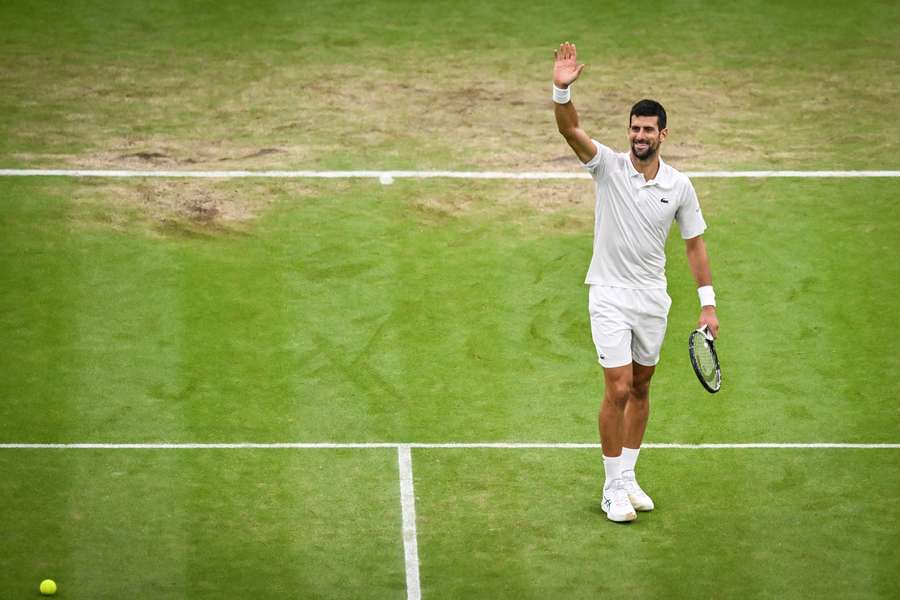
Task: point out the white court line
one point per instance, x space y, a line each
404 459
533 175
408 504
448 445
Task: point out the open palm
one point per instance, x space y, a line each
565 68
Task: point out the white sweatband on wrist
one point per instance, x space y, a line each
707 295
561 96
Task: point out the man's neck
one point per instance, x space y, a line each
648 168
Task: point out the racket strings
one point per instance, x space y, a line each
705 358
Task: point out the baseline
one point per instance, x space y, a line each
388 176
398 445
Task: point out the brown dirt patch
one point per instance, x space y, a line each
444 206
199 202
160 153
200 207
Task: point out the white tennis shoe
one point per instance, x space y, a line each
615 503
638 497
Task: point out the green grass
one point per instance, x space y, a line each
441 85
362 314
236 524
728 524
435 311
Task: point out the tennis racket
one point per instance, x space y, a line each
705 360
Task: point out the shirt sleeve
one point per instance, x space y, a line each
689 216
599 165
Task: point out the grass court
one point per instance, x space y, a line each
154 311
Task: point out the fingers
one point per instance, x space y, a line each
560 55
711 325
566 52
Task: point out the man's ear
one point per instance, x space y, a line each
663 134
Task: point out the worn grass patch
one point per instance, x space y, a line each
403 85
209 207
179 206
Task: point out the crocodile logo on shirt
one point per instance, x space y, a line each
663 200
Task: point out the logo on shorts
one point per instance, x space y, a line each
602 356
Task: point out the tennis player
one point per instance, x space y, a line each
638 197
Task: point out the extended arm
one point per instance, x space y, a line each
565 71
698 259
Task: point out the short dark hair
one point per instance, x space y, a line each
649 108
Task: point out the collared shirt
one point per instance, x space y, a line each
632 218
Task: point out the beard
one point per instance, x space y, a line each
644 154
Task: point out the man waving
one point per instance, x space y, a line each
638 197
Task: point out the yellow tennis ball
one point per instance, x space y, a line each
48 587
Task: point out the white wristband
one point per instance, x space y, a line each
707 295
561 96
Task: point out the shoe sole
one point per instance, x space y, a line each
625 519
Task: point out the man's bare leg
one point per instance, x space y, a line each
637 410
616 394
617 391
637 413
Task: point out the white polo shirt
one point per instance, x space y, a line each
632 219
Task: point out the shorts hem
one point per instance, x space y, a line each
643 364
614 366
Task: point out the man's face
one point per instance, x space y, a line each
645 136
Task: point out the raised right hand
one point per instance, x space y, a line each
565 67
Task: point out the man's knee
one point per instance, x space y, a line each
640 390
640 382
618 390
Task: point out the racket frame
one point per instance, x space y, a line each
712 349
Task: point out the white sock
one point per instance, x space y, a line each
629 458
612 466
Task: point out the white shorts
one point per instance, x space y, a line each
628 325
